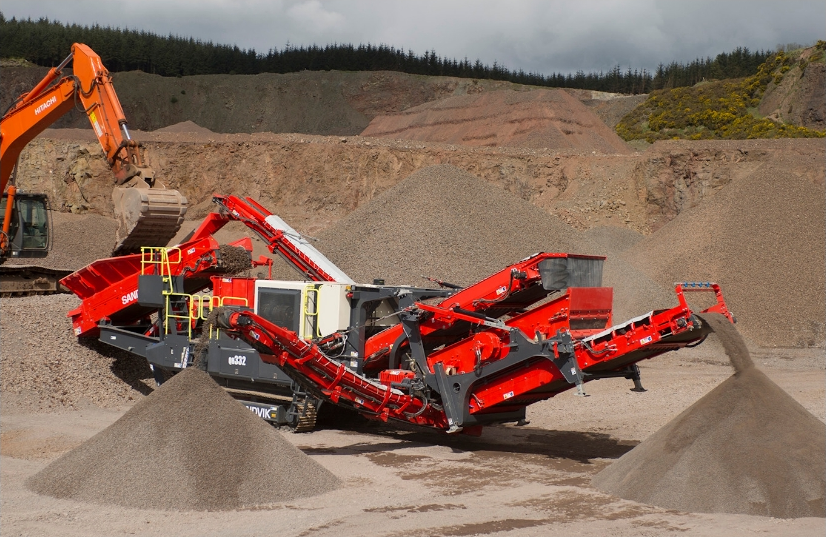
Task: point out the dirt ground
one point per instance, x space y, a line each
532 480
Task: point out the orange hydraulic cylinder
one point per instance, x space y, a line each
4 239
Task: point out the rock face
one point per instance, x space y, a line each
293 175
798 98
747 447
537 119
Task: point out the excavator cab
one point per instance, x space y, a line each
30 226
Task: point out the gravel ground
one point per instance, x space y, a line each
204 450
45 367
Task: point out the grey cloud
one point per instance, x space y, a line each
534 35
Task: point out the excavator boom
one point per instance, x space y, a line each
147 213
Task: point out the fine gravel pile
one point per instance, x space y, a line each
44 366
234 259
762 237
747 447
188 446
185 126
444 223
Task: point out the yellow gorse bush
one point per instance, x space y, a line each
717 110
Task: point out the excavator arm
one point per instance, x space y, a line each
147 215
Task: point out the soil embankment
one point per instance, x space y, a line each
537 119
310 102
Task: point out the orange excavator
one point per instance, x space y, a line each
148 214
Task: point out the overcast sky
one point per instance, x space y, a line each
535 35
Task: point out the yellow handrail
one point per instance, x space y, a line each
217 302
188 300
307 290
196 308
160 256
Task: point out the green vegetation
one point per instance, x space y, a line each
724 109
46 43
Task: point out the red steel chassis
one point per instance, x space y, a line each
504 359
108 288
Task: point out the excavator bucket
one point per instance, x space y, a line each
146 217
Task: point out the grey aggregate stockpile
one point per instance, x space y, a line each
44 367
762 239
747 447
444 223
188 446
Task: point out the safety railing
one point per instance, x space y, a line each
194 308
188 312
220 301
311 316
160 258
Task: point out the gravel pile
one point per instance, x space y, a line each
188 446
763 238
747 447
44 366
185 126
444 223
234 259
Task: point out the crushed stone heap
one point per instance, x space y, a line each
762 239
79 239
188 446
445 223
746 447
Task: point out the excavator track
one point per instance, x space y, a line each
28 280
146 217
307 414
